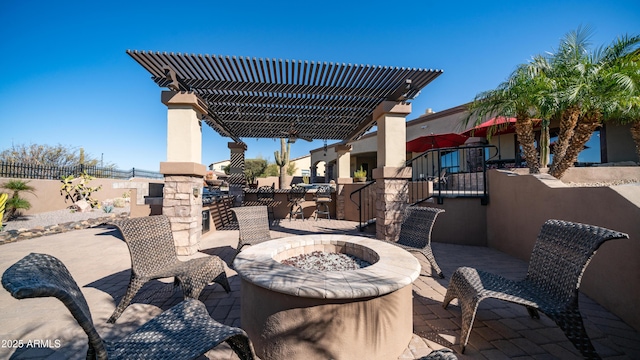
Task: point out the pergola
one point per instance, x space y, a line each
269 98
241 97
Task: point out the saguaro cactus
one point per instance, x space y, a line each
282 159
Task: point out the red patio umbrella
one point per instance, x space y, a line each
501 125
436 141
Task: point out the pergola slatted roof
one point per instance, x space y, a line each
274 98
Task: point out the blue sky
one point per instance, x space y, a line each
66 78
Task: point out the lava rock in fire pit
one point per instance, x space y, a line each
325 261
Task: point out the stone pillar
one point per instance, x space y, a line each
343 164
391 174
183 171
182 203
236 179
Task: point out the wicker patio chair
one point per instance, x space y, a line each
561 254
185 331
415 233
253 222
153 256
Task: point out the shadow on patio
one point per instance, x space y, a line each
99 261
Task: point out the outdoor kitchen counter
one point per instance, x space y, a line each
280 202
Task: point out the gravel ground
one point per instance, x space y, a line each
606 183
56 217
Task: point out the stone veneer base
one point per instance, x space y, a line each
291 313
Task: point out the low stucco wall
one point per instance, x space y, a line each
598 173
46 196
591 174
520 204
464 222
351 212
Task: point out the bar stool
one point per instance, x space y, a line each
296 197
323 198
266 196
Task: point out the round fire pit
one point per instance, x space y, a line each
290 313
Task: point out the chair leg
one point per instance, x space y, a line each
271 217
573 327
200 272
223 281
428 253
469 299
325 210
242 346
238 249
135 284
533 312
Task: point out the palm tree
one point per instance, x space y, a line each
592 88
633 102
15 203
518 96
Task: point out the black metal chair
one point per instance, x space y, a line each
296 198
323 199
266 196
153 256
185 331
560 256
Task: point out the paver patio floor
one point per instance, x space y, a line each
100 263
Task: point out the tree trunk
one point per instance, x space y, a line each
544 144
568 121
582 133
524 130
635 134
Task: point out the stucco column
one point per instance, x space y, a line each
391 174
343 164
183 171
237 180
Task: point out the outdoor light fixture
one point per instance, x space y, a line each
196 192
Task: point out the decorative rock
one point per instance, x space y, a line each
82 206
23 234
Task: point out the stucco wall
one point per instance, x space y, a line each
596 173
464 222
520 204
47 197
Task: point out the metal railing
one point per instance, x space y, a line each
31 171
437 173
451 172
366 204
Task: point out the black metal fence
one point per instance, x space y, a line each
453 172
30 171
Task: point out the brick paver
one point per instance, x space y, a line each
100 263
